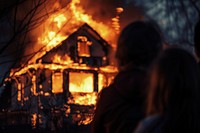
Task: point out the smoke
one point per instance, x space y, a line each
105 10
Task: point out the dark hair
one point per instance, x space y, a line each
174 91
197 39
139 43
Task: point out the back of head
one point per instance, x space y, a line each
139 43
174 90
197 38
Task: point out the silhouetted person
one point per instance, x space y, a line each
120 105
173 95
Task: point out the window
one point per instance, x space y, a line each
81 82
83 46
57 82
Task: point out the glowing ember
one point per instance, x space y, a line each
34 120
86 121
19 95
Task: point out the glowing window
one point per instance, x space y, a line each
57 82
83 46
81 82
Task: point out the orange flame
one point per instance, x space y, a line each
65 60
66 21
56 29
81 82
83 98
34 120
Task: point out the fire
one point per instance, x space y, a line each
115 20
34 120
86 121
81 86
53 39
60 19
79 14
66 21
52 36
65 60
83 98
81 82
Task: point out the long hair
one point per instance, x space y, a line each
174 91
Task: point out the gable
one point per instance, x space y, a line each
85 44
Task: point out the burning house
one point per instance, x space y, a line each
61 82
65 81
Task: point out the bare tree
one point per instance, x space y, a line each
17 20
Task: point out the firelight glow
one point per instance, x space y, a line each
57 28
66 21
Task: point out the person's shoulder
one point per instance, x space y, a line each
147 124
151 119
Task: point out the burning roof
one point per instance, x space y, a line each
84 46
61 24
92 45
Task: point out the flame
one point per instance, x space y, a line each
52 39
86 121
19 95
83 98
115 20
81 82
57 28
81 86
80 15
52 35
34 120
60 19
65 60
66 21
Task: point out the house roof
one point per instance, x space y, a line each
86 29
43 51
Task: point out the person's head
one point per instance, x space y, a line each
197 39
174 86
138 44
